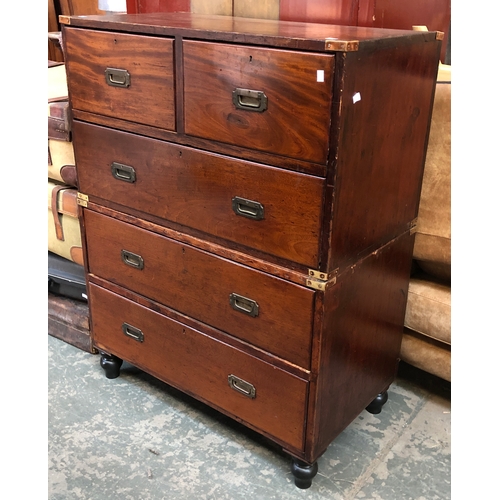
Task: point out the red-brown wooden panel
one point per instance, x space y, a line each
435 14
143 6
380 161
361 339
320 11
392 14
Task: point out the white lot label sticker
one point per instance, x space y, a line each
320 75
356 97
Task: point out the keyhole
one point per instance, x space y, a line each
250 58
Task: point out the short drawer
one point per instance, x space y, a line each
269 398
265 208
268 312
130 77
276 101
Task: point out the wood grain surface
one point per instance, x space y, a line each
196 189
199 284
200 365
290 80
149 60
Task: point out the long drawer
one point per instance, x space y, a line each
270 399
265 208
124 76
250 97
266 311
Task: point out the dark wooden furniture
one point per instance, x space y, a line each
54 52
248 192
68 320
66 8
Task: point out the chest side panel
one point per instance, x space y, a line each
360 339
383 129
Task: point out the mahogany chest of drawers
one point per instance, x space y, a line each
248 192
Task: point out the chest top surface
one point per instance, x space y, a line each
269 32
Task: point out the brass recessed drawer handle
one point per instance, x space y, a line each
248 208
241 386
123 172
117 77
244 305
132 259
133 332
250 100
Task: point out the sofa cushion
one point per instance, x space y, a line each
433 237
428 309
426 354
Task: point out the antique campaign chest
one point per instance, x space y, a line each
248 193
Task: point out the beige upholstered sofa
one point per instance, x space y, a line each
427 338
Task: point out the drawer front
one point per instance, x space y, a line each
248 388
268 312
276 101
124 76
265 208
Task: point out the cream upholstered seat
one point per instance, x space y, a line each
427 339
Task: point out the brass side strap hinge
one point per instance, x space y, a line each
82 199
413 225
318 280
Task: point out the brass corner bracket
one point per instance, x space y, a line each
82 199
341 45
318 280
64 19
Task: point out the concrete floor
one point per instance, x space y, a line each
136 438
